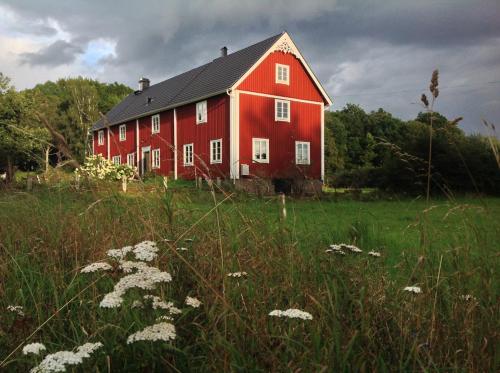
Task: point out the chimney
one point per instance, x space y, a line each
143 84
223 52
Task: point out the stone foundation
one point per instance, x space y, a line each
267 187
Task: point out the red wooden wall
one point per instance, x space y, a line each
117 147
101 149
217 127
263 79
257 121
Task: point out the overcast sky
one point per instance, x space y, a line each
372 53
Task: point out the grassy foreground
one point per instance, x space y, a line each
362 318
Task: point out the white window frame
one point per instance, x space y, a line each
281 118
117 159
280 80
302 161
100 137
256 140
155 123
131 159
201 107
122 130
155 159
213 151
188 162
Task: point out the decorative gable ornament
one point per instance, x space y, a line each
285 45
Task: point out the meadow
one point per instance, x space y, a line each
362 318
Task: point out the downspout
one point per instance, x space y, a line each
175 144
137 145
232 174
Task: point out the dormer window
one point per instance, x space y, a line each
282 74
155 123
201 112
123 132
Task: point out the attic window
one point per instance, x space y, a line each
282 74
201 112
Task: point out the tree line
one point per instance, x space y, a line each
50 124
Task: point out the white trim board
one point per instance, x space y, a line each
280 97
175 144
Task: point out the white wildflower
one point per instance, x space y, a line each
352 248
16 309
340 252
182 249
374 253
120 254
193 302
164 318
145 278
468 297
128 266
413 289
237 274
58 361
158 303
98 266
162 331
292 313
33 348
335 248
145 251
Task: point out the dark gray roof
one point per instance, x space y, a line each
204 81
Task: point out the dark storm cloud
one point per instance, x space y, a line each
374 53
58 53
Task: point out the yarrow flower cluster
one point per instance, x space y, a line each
33 348
98 266
237 274
468 297
335 249
145 250
58 361
158 303
100 168
182 249
120 254
292 313
192 302
16 309
374 253
413 289
162 331
145 278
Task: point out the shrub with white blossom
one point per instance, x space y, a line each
99 168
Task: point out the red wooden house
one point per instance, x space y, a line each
257 112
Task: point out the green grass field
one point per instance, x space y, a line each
362 318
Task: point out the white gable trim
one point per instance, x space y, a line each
286 45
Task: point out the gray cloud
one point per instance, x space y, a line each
58 53
374 53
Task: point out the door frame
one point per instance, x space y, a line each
145 149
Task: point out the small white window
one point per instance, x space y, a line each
123 132
155 123
282 110
100 137
302 152
260 150
201 112
188 154
156 158
117 159
131 159
282 74
216 151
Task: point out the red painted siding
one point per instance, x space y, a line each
217 127
123 148
257 121
263 79
164 140
101 149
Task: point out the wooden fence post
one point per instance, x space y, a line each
77 181
124 184
283 206
165 182
29 183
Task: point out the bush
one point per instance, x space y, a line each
98 167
